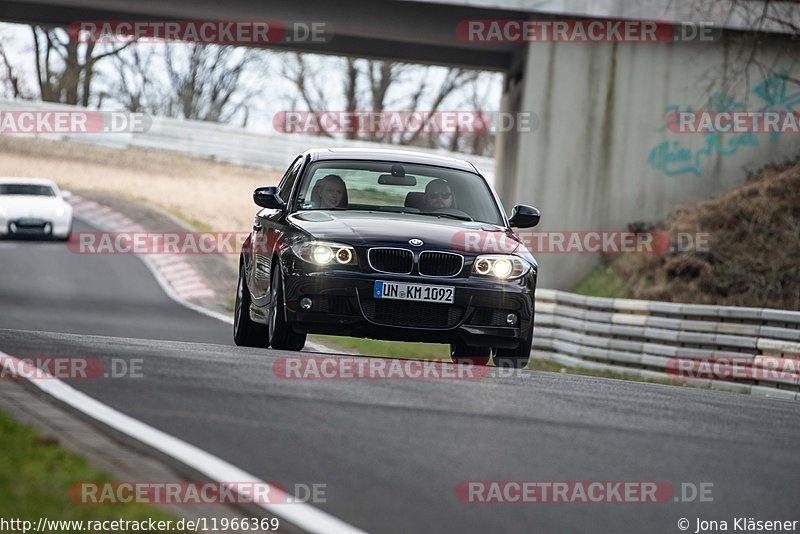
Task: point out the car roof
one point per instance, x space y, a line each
31 181
386 154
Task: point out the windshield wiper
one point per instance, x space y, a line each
396 210
451 215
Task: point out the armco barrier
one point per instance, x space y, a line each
221 142
650 339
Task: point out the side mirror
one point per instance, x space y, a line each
523 216
267 197
66 195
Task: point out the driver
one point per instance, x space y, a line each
438 195
330 192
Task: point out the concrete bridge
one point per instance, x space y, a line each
602 156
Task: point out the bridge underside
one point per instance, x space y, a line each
417 33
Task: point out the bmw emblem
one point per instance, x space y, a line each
416 242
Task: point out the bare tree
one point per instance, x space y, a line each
11 84
480 140
188 80
135 86
374 86
768 48
454 80
315 94
204 81
64 66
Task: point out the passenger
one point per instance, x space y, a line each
330 192
438 195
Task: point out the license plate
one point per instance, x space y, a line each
30 222
416 292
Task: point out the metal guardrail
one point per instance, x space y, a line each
661 340
219 141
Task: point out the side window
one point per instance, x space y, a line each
289 178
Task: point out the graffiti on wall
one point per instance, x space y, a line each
677 157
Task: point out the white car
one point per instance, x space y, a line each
34 207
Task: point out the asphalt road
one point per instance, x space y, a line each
44 286
391 453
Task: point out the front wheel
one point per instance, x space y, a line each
281 335
466 355
246 332
64 237
515 358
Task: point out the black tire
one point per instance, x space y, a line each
69 233
466 355
246 332
515 358
281 335
65 237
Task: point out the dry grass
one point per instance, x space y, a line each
754 256
219 194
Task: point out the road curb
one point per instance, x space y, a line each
184 280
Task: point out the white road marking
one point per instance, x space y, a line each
198 294
175 268
166 260
181 275
300 514
184 282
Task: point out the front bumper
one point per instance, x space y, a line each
36 227
343 304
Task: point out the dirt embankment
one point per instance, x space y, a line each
216 194
754 253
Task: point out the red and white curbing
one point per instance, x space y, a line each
185 281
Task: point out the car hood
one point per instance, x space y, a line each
363 228
16 206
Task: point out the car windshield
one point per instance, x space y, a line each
27 189
395 187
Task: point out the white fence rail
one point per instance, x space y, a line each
219 141
752 350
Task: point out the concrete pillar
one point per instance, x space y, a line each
602 157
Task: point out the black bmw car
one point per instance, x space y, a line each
389 245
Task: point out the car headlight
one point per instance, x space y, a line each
502 266
60 211
323 253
